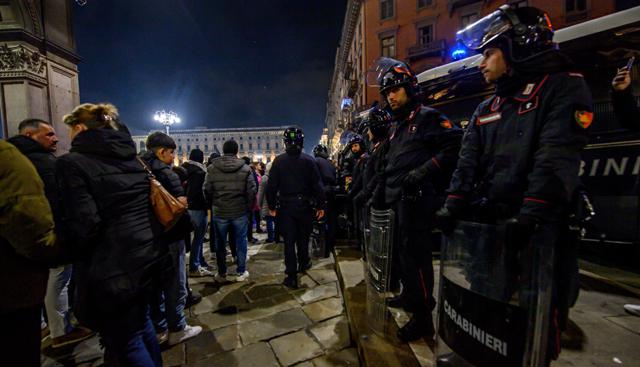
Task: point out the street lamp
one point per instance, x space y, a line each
166 118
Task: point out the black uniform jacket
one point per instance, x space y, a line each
523 151
426 139
295 174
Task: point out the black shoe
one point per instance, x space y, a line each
396 301
305 267
291 282
416 328
192 299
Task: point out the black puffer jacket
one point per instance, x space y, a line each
105 197
230 187
194 186
45 163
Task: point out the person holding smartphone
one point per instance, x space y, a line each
624 103
628 115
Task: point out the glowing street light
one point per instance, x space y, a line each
166 118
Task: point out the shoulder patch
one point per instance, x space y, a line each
528 106
413 128
446 124
579 75
583 118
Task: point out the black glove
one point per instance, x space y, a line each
445 220
518 230
360 199
415 176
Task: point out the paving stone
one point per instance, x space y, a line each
216 320
318 293
174 356
325 309
631 323
346 357
295 347
267 308
322 276
254 355
333 334
261 291
306 281
271 326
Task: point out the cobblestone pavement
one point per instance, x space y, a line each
258 322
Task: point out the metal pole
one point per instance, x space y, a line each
167 127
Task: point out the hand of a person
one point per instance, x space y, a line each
446 221
622 80
183 200
272 213
319 214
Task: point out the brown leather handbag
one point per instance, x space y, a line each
167 208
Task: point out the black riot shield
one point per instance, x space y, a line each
495 299
317 239
378 242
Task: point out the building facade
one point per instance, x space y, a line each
38 64
421 33
261 144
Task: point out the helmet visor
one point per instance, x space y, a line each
478 35
377 70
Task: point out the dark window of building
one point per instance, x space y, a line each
277 146
268 146
386 9
423 3
250 146
206 147
575 5
388 46
258 137
241 138
142 146
197 146
241 146
188 147
425 34
467 19
249 138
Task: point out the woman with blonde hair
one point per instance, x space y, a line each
112 228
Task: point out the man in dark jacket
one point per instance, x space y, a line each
198 211
295 185
520 155
423 149
27 245
38 141
230 187
329 181
171 325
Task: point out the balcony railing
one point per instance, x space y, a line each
435 48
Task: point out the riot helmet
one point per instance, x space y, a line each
387 73
525 32
356 139
321 151
377 121
293 136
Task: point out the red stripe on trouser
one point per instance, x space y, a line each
555 324
424 288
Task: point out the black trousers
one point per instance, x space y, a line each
295 222
415 252
20 337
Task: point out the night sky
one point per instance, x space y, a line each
218 64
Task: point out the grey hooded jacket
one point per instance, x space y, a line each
230 187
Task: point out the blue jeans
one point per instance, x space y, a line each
239 227
199 220
56 301
271 228
137 348
167 310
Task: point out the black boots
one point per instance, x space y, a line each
418 327
291 281
396 301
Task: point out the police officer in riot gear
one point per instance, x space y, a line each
520 154
329 180
423 150
360 156
295 196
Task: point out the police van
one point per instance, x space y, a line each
611 161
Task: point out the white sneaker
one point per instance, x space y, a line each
187 333
632 309
163 337
201 272
242 277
